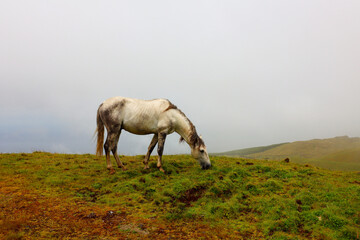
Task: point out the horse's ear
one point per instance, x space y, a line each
181 140
200 137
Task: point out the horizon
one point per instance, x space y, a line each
154 153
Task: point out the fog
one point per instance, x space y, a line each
246 73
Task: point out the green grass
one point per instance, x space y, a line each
328 163
276 200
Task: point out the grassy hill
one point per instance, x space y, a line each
47 196
247 151
339 153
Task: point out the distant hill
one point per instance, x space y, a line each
248 151
339 153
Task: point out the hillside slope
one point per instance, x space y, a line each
315 148
339 153
346 156
247 151
60 196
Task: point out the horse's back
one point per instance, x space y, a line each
136 115
133 104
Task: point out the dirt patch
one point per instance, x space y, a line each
88 194
192 195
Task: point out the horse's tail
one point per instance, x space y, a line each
100 134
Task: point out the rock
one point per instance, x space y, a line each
91 215
110 214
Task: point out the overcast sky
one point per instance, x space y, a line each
246 73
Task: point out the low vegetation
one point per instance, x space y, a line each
44 195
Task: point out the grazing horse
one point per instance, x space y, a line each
159 117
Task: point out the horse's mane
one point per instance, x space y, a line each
194 138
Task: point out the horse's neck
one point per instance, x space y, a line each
184 127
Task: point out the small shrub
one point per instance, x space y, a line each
222 188
332 221
97 185
261 168
272 186
282 236
309 217
350 233
307 198
223 210
306 172
252 189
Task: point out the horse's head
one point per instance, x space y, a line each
199 152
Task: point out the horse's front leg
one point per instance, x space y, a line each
150 149
161 142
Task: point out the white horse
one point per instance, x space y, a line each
159 117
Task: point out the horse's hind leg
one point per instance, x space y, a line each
118 161
107 153
150 149
161 142
114 151
111 145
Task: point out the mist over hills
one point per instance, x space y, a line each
338 153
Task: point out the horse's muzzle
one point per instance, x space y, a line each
205 166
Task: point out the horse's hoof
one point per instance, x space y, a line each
112 171
162 170
146 167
